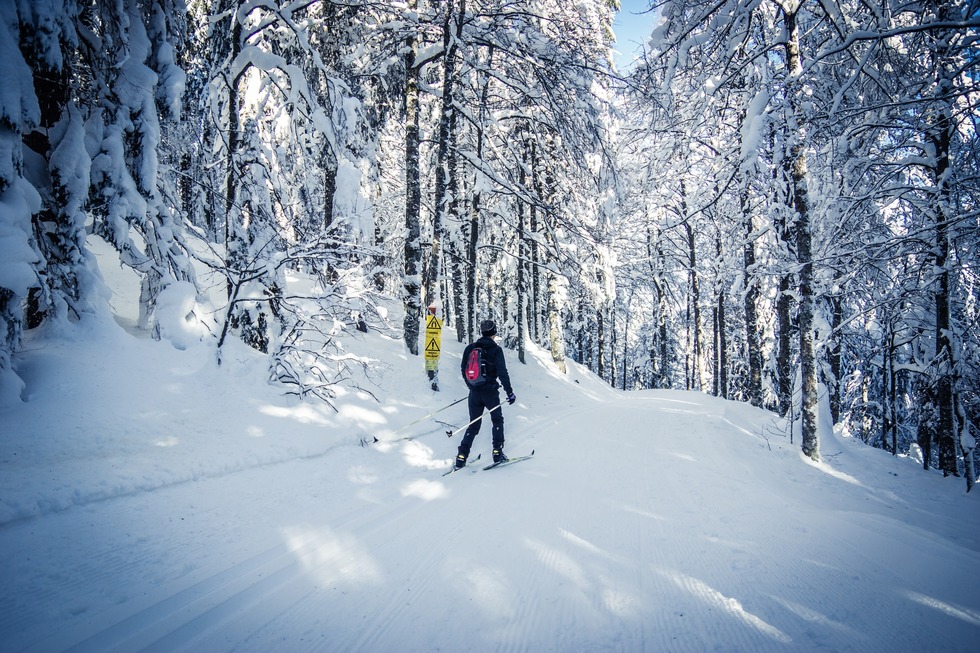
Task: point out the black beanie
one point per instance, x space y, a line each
488 328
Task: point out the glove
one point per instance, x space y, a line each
511 398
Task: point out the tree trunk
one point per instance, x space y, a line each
659 349
445 171
784 354
967 444
926 431
472 239
626 338
474 226
784 323
721 338
460 309
232 247
538 307
522 303
836 367
460 302
600 344
808 356
939 137
750 300
666 377
330 167
888 389
412 284
443 148
555 331
695 379
865 407
805 311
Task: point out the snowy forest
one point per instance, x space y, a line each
778 203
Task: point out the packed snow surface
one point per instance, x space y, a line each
152 500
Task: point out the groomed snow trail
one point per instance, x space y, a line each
647 522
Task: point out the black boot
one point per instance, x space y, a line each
498 455
460 461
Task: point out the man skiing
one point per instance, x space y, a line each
483 393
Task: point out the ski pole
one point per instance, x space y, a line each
450 434
425 417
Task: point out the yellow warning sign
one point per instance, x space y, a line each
432 323
433 339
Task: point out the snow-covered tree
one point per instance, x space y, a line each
19 199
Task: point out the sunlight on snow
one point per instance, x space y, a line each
585 544
417 454
362 475
547 363
731 544
642 513
695 410
169 441
425 489
361 415
303 413
669 400
400 407
675 406
488 590
330 557
827 469
620 603
615 601
737 427
558 562
808 614
951 610
714 597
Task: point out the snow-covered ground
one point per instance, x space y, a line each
152 500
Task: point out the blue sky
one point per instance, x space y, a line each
632 29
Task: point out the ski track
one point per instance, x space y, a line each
587 572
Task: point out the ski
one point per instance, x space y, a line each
454 468
509 461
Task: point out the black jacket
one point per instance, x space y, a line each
496 367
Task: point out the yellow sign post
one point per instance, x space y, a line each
433 342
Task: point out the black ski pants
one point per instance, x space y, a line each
484 399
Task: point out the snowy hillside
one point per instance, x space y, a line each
150 500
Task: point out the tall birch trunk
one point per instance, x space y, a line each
805 312
474 223
445 169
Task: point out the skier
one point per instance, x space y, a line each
484 396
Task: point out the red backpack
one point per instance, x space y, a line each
476 367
